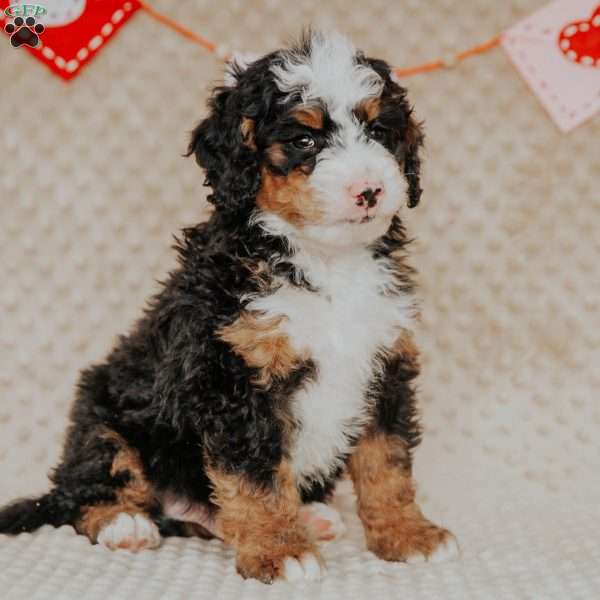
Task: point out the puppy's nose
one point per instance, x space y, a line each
368 196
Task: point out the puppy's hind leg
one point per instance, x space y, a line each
125 521
129 531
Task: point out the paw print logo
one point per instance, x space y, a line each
24 31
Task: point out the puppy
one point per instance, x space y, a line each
279 354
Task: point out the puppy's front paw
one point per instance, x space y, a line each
282 563
130 532
322 522
412 541
308 567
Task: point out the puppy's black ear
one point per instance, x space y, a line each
223 145
412 161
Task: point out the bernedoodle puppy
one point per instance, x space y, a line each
278 355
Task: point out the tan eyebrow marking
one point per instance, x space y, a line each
368 109
311 116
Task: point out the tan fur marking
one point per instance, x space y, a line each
135 497
247 129
289 196
94 518
260 272
262 524
262 345
311 116
368 109
405 346
276 154
395 528
259 269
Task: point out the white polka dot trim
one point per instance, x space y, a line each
95 42
571 31
117 16
566 43
84 53
48 53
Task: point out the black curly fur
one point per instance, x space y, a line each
171 388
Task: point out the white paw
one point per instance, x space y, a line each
445 551
449 549
308 568
131 532
323 522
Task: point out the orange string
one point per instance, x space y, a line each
399 72
459 57
408 71
481 48
190 35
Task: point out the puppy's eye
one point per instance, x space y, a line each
377 132
304 142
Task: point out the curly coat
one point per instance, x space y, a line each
175 393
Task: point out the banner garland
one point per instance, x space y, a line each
556 50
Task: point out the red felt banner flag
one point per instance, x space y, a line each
64 34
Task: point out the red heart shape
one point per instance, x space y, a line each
580 41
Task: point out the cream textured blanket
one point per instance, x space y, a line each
92 186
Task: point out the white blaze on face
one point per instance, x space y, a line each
330 73
331 76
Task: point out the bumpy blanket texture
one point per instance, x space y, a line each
93 185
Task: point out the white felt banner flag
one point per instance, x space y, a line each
557 51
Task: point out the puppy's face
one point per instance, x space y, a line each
332 140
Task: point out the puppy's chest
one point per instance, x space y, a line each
341 327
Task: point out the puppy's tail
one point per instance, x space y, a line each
54 508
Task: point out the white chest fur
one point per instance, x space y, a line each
341 327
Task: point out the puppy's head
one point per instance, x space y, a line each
316 142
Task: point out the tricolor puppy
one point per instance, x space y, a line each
279 354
